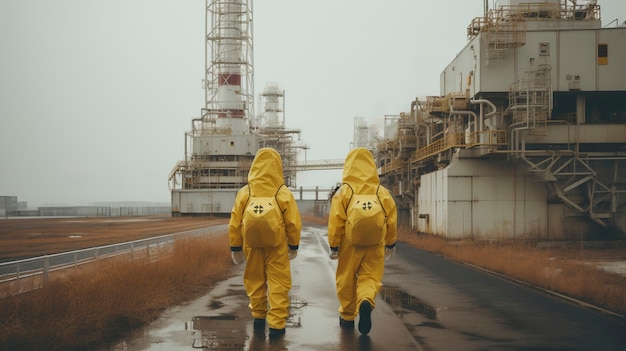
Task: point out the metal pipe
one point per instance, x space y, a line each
494 109
414 104
514 131
466 113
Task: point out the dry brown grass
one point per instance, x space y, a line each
560 270
28 237
315 220
103 302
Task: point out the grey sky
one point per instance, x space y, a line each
95 97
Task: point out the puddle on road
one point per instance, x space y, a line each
295 311
414 312
229 331
398 298
219 320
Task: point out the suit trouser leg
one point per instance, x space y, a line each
370 275
346 280
278 272
254 281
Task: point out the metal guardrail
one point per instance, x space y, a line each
31 273
467 140
462 140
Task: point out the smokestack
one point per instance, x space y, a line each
229 89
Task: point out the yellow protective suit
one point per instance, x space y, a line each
359 269
267 271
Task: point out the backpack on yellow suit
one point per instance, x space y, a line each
366 223
263 223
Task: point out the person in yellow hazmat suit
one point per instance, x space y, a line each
359 268
267 274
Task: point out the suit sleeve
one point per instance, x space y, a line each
291 214
337 217
392 219
234 226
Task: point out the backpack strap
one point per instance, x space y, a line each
243 210
352 194
381 203
277 204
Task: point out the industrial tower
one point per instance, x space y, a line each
219 148
223 141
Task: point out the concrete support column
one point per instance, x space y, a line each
580 109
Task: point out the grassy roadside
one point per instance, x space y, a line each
562 270
100 303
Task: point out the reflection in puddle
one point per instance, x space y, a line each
396 297
295 311
225 332
228 332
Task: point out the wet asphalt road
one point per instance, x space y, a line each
451 306
427 303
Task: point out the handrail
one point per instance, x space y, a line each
461 140
36 270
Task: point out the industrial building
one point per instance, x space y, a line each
527 138
9 206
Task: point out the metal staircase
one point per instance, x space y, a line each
574 180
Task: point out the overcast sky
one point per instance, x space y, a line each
95 97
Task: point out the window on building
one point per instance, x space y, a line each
603 54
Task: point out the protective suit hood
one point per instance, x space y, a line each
266 172
360 171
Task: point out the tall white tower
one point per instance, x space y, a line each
220 147
229 71
273 107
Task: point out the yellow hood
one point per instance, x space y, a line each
266 173
360 171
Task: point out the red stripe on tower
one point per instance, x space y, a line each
230 79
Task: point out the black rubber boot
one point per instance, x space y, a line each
365 317
259 324
346 324
276 333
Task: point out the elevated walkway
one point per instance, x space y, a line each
314 165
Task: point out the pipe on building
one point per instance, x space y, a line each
419 124
493 110
193 124
463 113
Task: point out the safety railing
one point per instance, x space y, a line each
497 138
449 141
28 274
